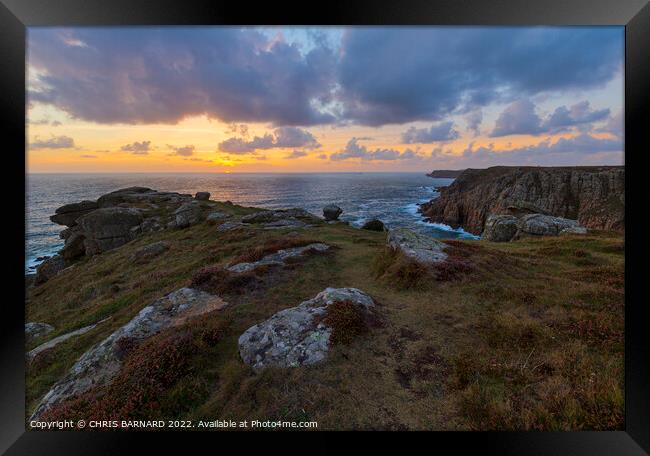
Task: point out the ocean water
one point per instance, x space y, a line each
390 197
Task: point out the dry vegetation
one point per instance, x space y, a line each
522 335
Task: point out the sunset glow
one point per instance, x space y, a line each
318 100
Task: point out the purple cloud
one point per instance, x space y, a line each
354 150
55 142
283 137
296 154
137 148
443 131
184 151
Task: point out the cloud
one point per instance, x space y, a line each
397 75
354 150
322 157
578 114
88 156
474 120
520 118
137 148
184 151
614 125
295 137
443 131
55 142
580 144
284 137
371 76
296 154
140 75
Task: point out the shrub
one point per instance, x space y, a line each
347 322
217 280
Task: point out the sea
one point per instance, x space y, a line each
393 198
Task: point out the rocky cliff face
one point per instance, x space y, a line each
595 196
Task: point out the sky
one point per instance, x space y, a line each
322 99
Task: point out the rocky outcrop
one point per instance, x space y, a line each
445 173
68 214
187 214
500 228
299 335
374 225
332 212
118 217
49 268
34 330
594 196
419 248
150 251
62 338
279 258
276 215
107 228
99 365
504 228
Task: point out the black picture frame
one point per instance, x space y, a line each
16 15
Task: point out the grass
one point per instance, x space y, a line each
521 335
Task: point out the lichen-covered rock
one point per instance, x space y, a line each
288 223
108 228
274 216
150 251
543 225
187 214
49 268
99 365
62 338
279 257
297 336
229 226
68 214
574 230
215 217
202 196
417 247
332 212
500 228
37 329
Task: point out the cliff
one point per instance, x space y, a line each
446 173
595 196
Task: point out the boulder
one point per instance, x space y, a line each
288 223
543 225
121 196
108 228
332 212
202 196
37 329
150 251
274 216
297 336
62 338
151 224
74 246
229 226
423 249
49 268
279 257
374 225
574 230
500 228
187 214
215 217
67 215
99 365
